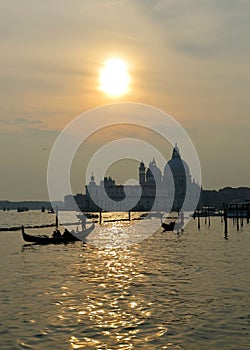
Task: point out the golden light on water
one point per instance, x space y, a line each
114 79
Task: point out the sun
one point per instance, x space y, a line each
114 78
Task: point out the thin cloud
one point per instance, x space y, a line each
20 121
20 124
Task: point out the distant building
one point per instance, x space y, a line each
31 205
166 191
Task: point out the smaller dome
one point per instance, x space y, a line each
153 172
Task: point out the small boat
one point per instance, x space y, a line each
65 238
173 226
168 227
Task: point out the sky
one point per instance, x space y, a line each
188 58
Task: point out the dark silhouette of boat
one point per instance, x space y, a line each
176 225
168 227
67 237
22 209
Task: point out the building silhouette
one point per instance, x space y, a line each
157 190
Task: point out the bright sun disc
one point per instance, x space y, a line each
114 78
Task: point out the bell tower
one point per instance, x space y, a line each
142 173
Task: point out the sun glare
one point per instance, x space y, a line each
114 78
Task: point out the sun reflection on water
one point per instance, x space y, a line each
105 305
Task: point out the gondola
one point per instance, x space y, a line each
65 238
173 226
168 227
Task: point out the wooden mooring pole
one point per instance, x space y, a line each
225 221
242 218
248 213
57 221
199 220
237 217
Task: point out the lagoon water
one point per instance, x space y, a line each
189 291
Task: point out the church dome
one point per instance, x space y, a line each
178 167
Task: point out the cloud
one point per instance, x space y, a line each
19 124
201 28
25 121
21 121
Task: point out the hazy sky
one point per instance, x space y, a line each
187 57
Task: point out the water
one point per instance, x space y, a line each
190 291
27 218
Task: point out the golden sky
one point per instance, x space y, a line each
189 58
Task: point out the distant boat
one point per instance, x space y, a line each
22 209
70 237
174 225
168 227
205 212
87 215
151 215
91 216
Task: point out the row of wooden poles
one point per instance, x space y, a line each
100 219
111 220
238 214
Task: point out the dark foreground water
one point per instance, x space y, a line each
190 291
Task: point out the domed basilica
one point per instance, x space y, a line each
172 189
172 184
